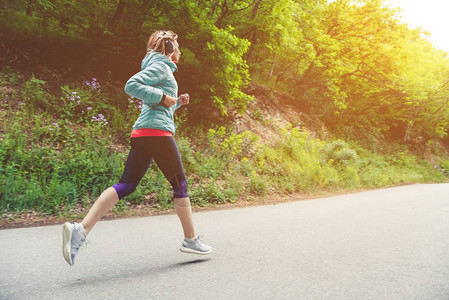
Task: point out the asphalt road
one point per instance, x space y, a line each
384 244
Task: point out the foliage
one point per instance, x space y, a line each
229 71
60 158
353 64
35 175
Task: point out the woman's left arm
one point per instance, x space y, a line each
142 85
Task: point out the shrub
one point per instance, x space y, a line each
340 154
34 96
61 157
258 185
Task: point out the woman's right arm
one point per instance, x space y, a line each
141 85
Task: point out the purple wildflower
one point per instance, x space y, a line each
93 84
53 126
74 97
99 118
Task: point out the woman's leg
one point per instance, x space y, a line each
168 160
137 164
104 203
184 212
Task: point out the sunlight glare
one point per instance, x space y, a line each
430 15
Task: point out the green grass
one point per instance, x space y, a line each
57 155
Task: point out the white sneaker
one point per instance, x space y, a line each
195 247
73 237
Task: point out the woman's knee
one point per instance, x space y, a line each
179 184
124 189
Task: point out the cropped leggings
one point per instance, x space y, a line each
164 151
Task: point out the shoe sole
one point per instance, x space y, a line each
191 251
66 242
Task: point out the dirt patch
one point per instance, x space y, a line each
272 110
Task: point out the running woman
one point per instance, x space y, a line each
151 139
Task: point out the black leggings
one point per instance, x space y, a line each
164 151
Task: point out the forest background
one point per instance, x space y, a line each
369 96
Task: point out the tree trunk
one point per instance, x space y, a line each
117 14
29 8
255 9
270 74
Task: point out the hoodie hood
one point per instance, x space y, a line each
156 57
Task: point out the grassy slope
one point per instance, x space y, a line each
57 155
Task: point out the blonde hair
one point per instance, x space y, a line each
156 41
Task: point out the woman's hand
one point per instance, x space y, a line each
169 101
184 99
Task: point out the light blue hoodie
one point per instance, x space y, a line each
155 79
